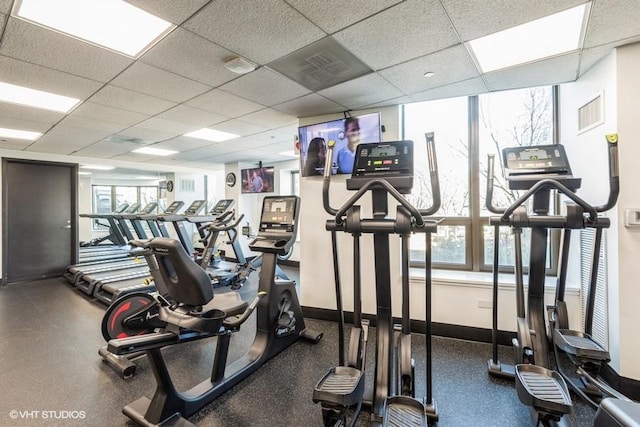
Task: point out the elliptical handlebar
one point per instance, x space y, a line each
417 214
614 173
490 179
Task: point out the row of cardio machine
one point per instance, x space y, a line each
107 272
545 346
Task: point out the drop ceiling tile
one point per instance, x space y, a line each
464 88
168 126
105 149
67 139
5 6
560 69
162 84
310 105
21 123
148 136
109 114
13 144
406 31
12 111
449 65
269 118
91 124
238 127
389 102
133 157
363 91
284 134
191 56
192 116
611 21
334 15
34 76
474 19
265 87
183 143
224 103
39 45
3 19
170 10
124 99
270 28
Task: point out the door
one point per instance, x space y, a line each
39 221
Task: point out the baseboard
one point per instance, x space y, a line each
447 330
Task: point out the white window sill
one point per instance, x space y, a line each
483 279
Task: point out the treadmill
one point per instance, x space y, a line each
136 222
114 233
108 289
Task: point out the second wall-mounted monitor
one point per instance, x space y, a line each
347 132
258 180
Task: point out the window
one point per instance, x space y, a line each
466 131
108 198
295 183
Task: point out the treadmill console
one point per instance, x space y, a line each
221 207
524 166
132 208
278 224
149 208
174 207
195 207
391 161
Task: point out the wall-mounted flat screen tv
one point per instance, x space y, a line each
257 180
347 132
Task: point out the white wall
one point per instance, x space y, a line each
587 153
628 77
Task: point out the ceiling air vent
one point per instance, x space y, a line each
187 185
591 114
320 65
120 139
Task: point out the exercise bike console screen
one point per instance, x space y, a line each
392 161
277 225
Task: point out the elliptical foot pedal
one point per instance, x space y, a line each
544 390
341 386
404 411
580 345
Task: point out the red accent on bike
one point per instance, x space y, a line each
119 311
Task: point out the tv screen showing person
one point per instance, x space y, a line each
347 133
257 180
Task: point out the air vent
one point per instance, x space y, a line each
320 65
121 139
187 185
591 114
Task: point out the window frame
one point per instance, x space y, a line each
474 224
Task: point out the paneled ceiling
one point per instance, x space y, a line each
181 85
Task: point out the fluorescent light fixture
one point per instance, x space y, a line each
98 167
84 173
289 153
543 38
36 98
154 151
114 24
211 135
147 178
19 134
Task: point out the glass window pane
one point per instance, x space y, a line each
448 119
101 199
148 195
521 117
126 195
506 254
448 245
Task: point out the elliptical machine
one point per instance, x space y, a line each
538 170
193 315
382 169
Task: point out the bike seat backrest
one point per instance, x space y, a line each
186 282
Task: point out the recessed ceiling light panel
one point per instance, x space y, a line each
211 135
543 38
114 24
154 151
36 98
19 134
98 167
